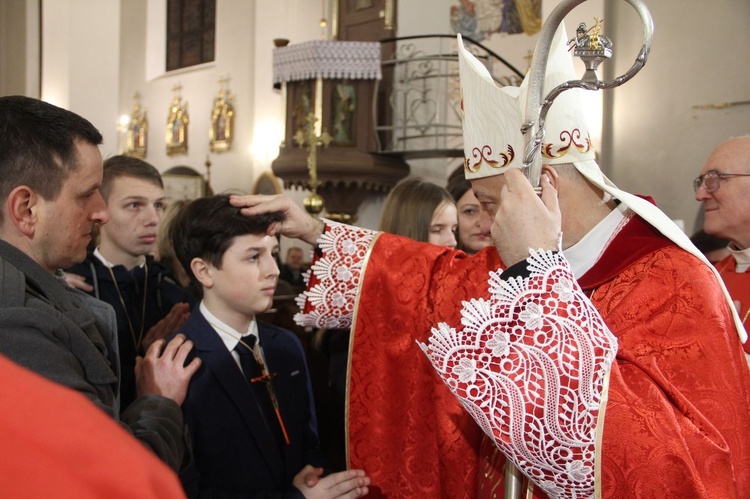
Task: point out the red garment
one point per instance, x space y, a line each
738 284
405 429
676 419
55 443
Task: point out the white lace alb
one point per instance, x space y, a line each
530 365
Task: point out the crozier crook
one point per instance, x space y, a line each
537 105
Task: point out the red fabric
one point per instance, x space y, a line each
55 443
738 284
677 420
679 397
405 427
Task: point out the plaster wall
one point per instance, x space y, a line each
95 55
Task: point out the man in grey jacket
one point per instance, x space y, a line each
50 173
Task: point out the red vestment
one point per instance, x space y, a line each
676 421
738 284
679 390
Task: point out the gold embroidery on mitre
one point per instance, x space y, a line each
482 155
568 138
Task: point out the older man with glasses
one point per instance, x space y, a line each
725 196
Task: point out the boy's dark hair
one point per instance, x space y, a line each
206 227
37 145
126 166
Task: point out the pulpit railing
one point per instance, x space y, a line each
417 104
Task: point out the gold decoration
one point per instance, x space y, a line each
137 138
221 132
177 124
208 173
721 105
306 137
314 204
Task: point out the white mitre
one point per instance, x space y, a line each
493 143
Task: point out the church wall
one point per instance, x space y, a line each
19 48
655 142
143 34
80 60
245 33
659 141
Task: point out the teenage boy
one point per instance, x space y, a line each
121 271
248 409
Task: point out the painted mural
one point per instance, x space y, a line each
478 19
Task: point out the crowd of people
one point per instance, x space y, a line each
577 337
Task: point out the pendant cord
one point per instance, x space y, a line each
136 342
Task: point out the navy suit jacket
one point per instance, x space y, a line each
235 455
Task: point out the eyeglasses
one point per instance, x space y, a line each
711 180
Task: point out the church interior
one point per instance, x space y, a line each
341 99
105 60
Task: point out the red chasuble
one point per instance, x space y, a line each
676 419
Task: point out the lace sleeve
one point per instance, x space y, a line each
334 277
530 364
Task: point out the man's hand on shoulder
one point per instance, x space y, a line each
165 373
166 327
78 282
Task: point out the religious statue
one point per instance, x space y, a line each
221 131
344 105
177 125
137 136
590 39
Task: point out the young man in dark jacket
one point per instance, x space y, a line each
121 270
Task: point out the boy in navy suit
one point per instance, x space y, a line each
248 409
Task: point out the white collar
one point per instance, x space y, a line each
229 336
661 222
104 260
741 257
585 253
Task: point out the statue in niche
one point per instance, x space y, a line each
137 135
221 132
344 105
177 124
302 106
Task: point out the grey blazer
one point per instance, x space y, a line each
51 329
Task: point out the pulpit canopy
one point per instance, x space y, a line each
328 59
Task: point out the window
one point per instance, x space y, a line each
191 32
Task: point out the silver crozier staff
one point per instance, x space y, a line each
592 48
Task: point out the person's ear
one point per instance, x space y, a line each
22 205
553 176
202 272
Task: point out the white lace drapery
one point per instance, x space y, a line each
531 364
330 302
327 59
